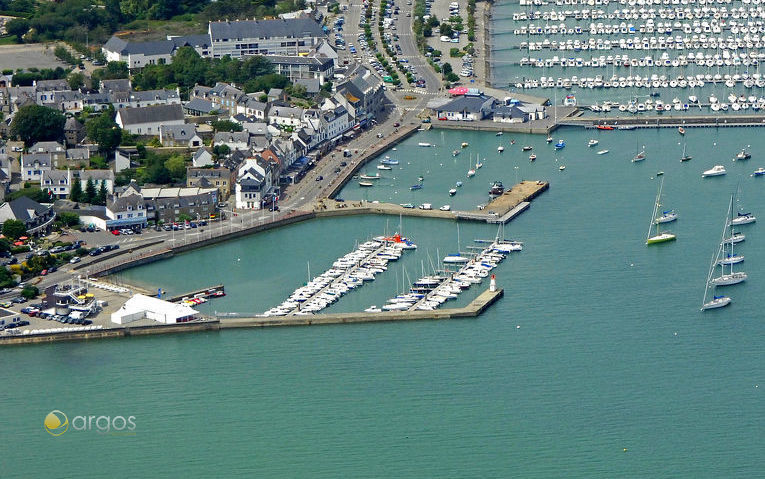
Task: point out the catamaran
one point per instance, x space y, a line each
658 237
727 275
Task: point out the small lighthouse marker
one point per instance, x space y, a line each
493 284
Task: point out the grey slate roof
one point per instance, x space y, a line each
179 132
24 209
312 85
151 114
198 104
473 104
200 40
292 28
115 85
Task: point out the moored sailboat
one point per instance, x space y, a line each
658 236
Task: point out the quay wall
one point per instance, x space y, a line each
210 325
404 132
116 254
474 309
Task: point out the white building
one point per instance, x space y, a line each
264 37
251 182
147 120
141 306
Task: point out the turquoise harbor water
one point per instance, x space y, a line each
598 345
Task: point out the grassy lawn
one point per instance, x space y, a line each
7 40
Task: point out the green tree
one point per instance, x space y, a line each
102 194
34 193
226 125
75 193
112 71
90 191
30 292
176 166
5 245
103 130
17 27
14 229
76 80
68 218
34 123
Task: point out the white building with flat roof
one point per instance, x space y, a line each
141 306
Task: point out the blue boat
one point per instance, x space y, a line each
415 187
389 161
560 145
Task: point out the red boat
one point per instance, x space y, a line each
605 127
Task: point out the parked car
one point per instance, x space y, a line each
319 178
74 260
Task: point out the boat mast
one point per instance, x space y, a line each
717 256
653 215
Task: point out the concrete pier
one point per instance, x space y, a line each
501 209
475 308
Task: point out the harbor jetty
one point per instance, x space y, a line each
475 308
472 310
499 210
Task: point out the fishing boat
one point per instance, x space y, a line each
376 176
389 161
415 187
743 219
717 170
592 143
478 164
384 167
527 148
499 133
658 236
455 152
497 189
532 157
500 148
685 157
453 192
742 155
727 276
549 139
445 208
464 144
681 130
602 152
560 145
424 145
759 172
366 183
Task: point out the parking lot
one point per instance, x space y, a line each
35 55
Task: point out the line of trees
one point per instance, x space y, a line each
254 73
91 195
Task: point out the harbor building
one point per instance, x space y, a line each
141 306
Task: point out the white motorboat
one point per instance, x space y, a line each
602 152
384 167
445 208
373 309
376 176
592 143
759 172
562 167
532 157
717 170
500 148
743 155
453 192
455 258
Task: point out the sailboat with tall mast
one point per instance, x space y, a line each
727 275
658 236
717 259
685 157
639 155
